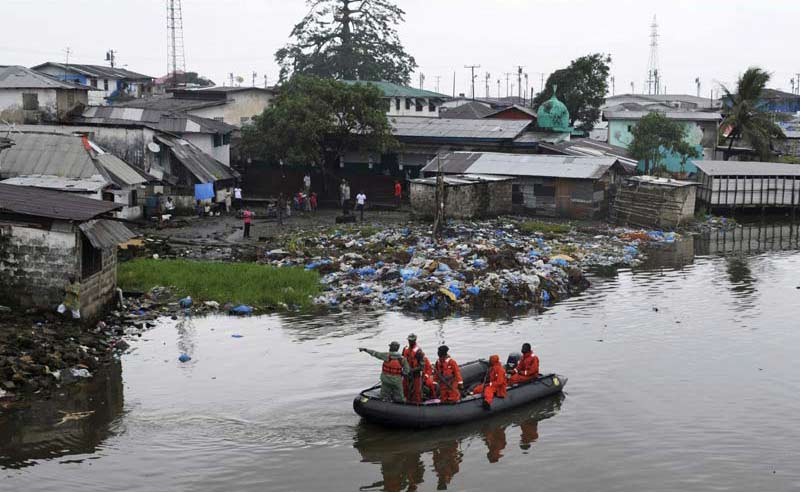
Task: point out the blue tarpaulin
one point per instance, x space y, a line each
204 191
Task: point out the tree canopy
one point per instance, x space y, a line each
745 118
582 87
654 136
348 39
312 114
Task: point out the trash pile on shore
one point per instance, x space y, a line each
477 266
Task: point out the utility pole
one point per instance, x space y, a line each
66 61
231 76
110 57
524 99
697 82
454 83
488 76
265 82
421 81
498 88
254 78
508 75
797 82
613 88
632 89
472 77
519 81
438 77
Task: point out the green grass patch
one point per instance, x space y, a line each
246 283
531 226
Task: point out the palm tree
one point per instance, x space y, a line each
745 118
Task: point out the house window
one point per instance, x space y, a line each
94 83
630 128
397 103
431 107
408 103
419 104
133 198
30 102
105 84
218 140
91 258
108 196
226 139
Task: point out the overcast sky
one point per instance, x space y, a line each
713 39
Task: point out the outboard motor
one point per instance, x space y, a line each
513 360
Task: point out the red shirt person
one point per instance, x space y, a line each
447 376
416 361
496 384
398 192
528 367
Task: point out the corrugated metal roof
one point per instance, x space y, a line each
442 128
586 147
59 183
120 171
672 115
170 103
51 154
515 107
653 180
52 204
390 89
17 77
746 168
168 121
105 234
523 165
462 179
204 167
791 133
100 71
472 110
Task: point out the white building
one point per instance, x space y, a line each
27 96
406 101
111 83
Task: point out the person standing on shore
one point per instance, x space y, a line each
307 183
248 216
227 203
398 193
237 196
361 200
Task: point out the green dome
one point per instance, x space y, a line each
553 115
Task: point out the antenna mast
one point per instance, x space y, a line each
176 60
653 81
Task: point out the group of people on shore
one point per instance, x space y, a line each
409 377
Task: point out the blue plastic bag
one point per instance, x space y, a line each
479 263
389 297
184 358
455 290
474 290
241 310
186 302
408 273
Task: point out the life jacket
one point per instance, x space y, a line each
410 354
529 365
445 372
393 367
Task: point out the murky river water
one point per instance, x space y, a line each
701 394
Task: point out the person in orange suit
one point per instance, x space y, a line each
528 367
428 385
447 377
412 386
496 384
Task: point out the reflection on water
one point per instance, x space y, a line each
400 454
44 429
748 239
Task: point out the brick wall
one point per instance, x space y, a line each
485 199
97 291
36 263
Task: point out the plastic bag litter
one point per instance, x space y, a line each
184 358
474 290
241 310
79 372
186 302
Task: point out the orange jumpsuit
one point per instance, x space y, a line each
496 384
448 376
427 377
416 359
527 369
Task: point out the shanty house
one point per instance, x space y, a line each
235 106
649 201
27 96
111 83
46 237
742 184
464 196
543 184
72 163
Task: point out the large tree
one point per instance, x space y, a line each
746 118
654 136
312 115
582 87
348 39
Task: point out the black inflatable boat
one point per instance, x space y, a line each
369 405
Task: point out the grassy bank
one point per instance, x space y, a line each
246 283
531 226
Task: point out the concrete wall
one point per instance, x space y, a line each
486 199
702 134
650 205
11 106
36 263
244 104
205 142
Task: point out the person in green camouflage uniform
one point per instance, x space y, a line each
395 367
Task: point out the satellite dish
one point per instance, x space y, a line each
153 147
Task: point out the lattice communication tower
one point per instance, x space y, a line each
653 81
176 59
